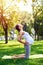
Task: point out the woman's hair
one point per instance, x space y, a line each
17 28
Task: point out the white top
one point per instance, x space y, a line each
28 38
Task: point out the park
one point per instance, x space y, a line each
14 47
28 14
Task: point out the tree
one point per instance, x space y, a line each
37 15
5 16
38 25
4 23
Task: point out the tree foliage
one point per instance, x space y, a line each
38 20
38 25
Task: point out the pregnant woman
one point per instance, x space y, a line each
27 43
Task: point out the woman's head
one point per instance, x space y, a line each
19 27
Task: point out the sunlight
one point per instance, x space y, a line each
25 7
22 6
6 57
8 3
36 56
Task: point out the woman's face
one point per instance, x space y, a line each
20 26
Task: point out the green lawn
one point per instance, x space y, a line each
14 47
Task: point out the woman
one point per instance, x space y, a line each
28 40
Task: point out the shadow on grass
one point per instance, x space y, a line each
14 62
22 62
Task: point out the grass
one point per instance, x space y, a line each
14 47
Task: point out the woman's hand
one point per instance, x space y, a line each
19 40
23 42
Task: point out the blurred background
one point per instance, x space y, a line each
27 12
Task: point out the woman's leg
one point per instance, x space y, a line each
19 56
27 51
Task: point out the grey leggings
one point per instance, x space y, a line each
27 51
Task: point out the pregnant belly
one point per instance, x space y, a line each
30 41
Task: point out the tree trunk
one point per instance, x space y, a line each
5 27
38 37
35 36
6 35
